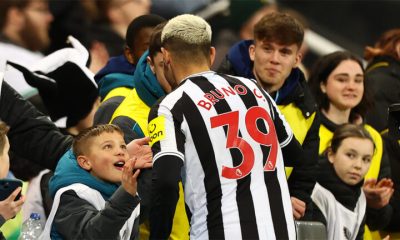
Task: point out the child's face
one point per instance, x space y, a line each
352 159
107 156
5 160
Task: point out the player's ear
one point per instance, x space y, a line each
212 55
84 162
252 51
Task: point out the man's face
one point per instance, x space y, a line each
168 72
131 9
141 43
37 22
273 63
157 66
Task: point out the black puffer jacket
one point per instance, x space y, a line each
383 82
32 135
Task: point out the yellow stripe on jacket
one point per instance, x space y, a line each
325 136
133 107
298 123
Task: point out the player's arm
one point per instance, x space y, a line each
167 163
302 180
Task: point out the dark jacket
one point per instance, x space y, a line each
345 194
393 148
377 219
115 81
32 135
118 72
383 82
293 99
78 219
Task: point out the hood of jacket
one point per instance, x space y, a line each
146 84
239 58
69 172
118 72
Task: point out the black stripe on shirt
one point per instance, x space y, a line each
212 184
270 177
244 199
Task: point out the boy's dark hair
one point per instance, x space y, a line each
320 72
137 24
347 131
3 132
80 144
280 28
155 40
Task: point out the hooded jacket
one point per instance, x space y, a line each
132 117
297 104
76 218
115 81
383 78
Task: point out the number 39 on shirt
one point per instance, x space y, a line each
231 119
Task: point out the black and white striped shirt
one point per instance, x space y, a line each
222 137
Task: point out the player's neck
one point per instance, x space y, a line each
183 72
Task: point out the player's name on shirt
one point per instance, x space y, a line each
213 96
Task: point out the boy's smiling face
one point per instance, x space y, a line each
106 157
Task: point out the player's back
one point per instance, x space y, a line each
233 177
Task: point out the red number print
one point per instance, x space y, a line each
231 119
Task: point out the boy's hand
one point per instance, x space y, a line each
378 194
139 149
8 207
129 177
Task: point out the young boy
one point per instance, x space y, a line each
338 194
8 207
88 202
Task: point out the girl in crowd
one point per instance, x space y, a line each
338 192
337 81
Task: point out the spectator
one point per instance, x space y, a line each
272 59
338 192
116 78
10 206
229 194
132 115
337 81
114 16
382 75
88 204
57 76
392 141
24 28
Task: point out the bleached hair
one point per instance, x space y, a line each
188 28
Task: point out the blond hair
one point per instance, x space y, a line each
188 28
188 38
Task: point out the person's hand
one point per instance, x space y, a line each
386 238
129 177
299 208
139 149
378 194
8 207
